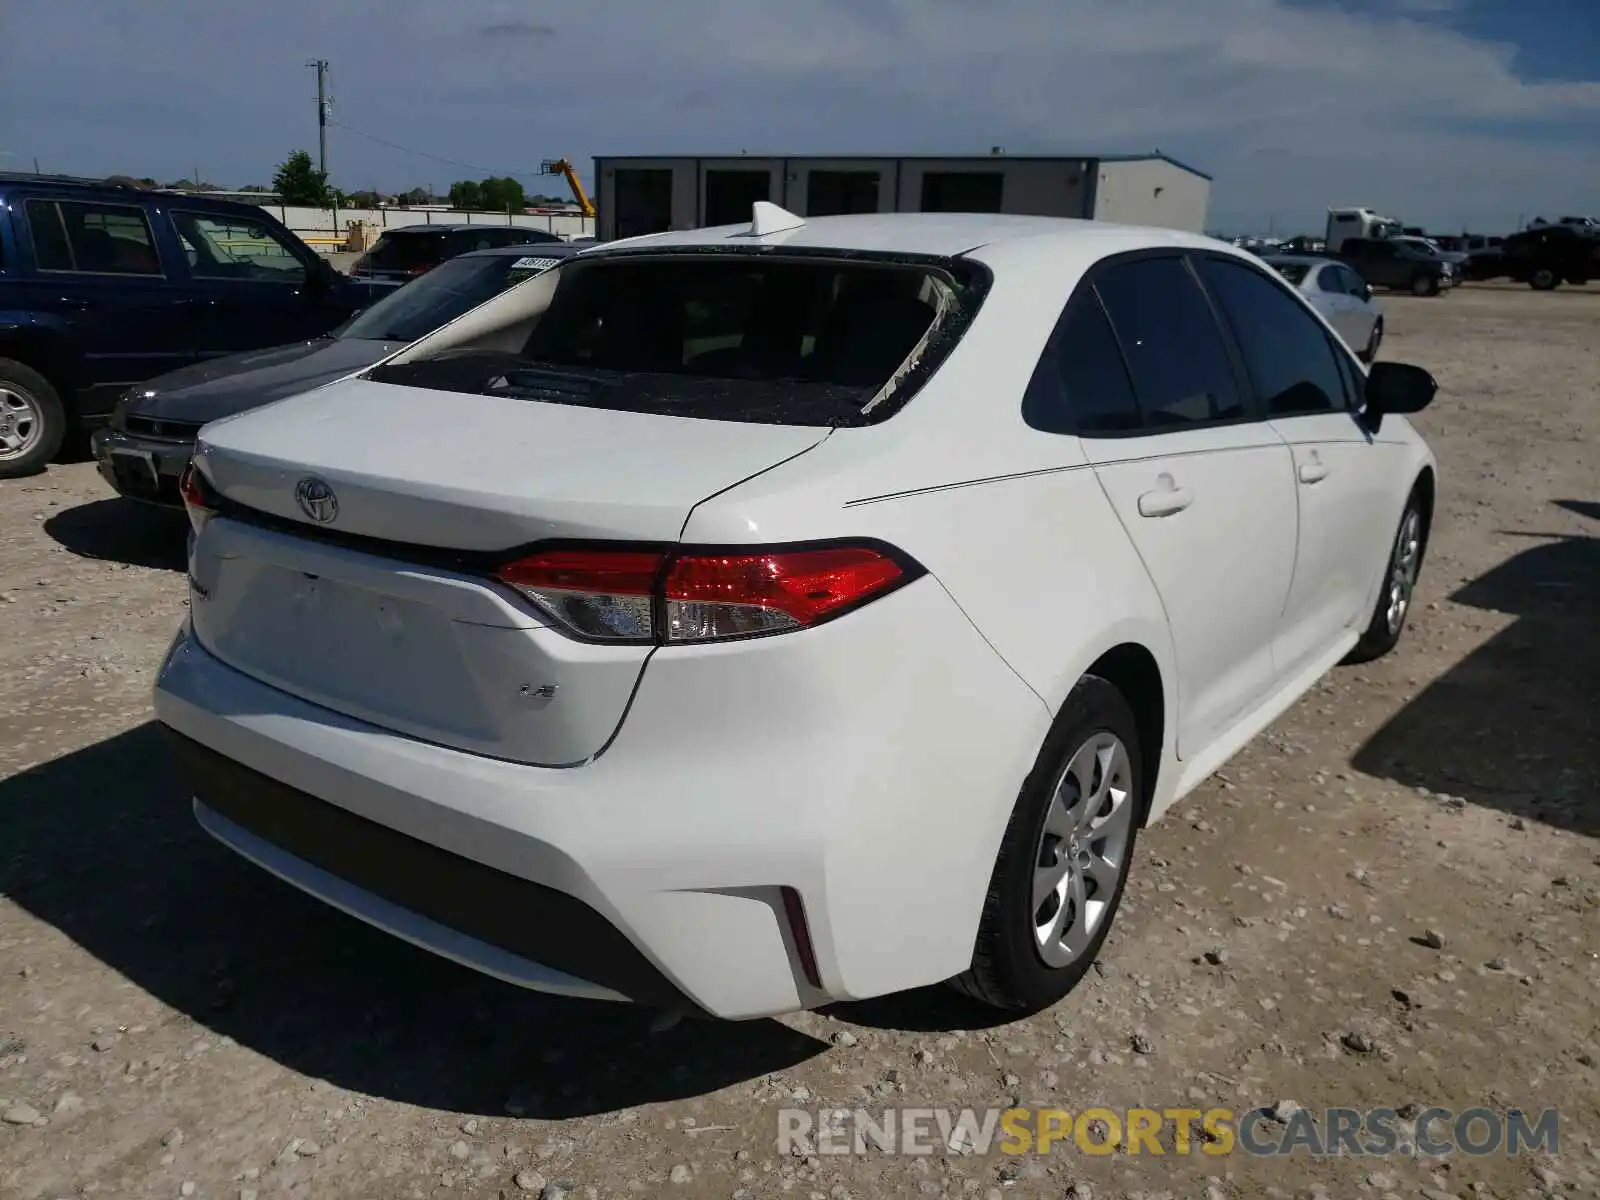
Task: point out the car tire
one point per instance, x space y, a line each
1374 340
33 422
1544 280
1076 821
1423 284
1399 585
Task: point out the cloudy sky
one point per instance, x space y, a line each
1443 112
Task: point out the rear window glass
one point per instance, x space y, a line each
1295 273
401 251
735 337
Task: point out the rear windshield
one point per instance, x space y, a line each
442 295
402 251
736 337
1294 272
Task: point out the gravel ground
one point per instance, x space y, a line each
1392 897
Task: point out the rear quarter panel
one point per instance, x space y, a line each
1012 522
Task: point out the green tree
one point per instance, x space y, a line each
493 194
415 196
503 193
297 181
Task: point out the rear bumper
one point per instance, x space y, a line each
145 469
498 923
875 790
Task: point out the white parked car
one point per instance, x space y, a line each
1340 296
743 619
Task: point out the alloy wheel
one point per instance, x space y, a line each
21 421
1403 570
1082 851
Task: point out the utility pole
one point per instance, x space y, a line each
320 66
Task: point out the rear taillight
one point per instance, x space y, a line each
200 499
623 594
603 594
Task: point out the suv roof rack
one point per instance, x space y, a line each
113 181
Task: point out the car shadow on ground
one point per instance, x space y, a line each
937 1009
1516 725
124 531
101 845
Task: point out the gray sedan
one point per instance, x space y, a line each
1340 295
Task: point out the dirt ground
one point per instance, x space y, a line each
174 1022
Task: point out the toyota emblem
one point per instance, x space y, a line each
316 500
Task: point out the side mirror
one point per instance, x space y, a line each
1366 291
1397 388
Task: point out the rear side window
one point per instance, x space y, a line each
403 251
100 239
1173 346
1286 350
50 249
1081 384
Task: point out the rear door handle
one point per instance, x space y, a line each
1166 500
1313 470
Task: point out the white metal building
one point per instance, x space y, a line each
638 195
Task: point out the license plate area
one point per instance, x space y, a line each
342 645
139 464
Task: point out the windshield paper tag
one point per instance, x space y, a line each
534 264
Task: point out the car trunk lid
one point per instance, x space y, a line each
387 612
485 472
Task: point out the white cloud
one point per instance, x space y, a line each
1291 107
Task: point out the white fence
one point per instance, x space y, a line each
319 225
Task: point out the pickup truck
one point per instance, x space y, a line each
104 284
1546 256
1399 265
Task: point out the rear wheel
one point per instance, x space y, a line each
1423 284
1399 585
1544 280
1064 860
32 420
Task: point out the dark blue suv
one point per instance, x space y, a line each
104 285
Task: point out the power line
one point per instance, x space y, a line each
454 162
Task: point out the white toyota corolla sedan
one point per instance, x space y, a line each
738 620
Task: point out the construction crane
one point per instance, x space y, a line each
562 166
